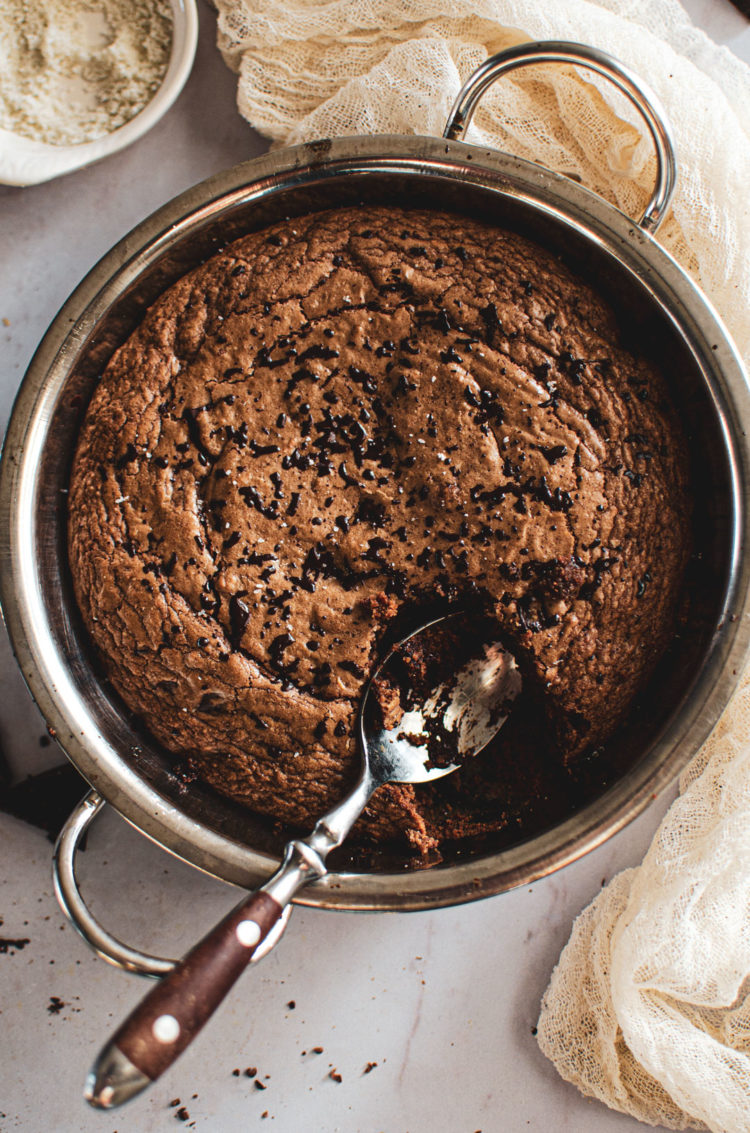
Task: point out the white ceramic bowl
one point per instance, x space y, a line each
24 161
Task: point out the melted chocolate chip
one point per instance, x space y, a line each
238 619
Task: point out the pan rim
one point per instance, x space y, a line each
22 603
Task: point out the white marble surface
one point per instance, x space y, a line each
443 1002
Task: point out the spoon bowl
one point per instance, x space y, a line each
420 717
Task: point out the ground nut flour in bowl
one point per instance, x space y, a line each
327 427
75 71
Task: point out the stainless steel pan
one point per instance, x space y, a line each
667 314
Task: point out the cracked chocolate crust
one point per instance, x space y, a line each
336 420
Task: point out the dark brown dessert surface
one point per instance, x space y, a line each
325 428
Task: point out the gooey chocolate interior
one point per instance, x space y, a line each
334 424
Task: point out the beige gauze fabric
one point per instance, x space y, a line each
649 1006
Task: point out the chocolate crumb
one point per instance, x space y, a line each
9 947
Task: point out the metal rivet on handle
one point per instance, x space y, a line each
248 933
166 1029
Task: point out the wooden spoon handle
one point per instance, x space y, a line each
169 1017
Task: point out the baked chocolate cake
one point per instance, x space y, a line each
331 425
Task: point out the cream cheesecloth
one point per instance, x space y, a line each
649 1006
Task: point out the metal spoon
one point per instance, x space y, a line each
433 728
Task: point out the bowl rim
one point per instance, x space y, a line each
157 817
26 161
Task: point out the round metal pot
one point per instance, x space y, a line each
667 314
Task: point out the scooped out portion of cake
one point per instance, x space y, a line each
335 425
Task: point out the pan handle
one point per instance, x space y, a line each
578 54
68 893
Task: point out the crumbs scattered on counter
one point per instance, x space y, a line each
251 1071
369 1067
260 1085
182 1114
334 1075
55 1005
291 1004
9 947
